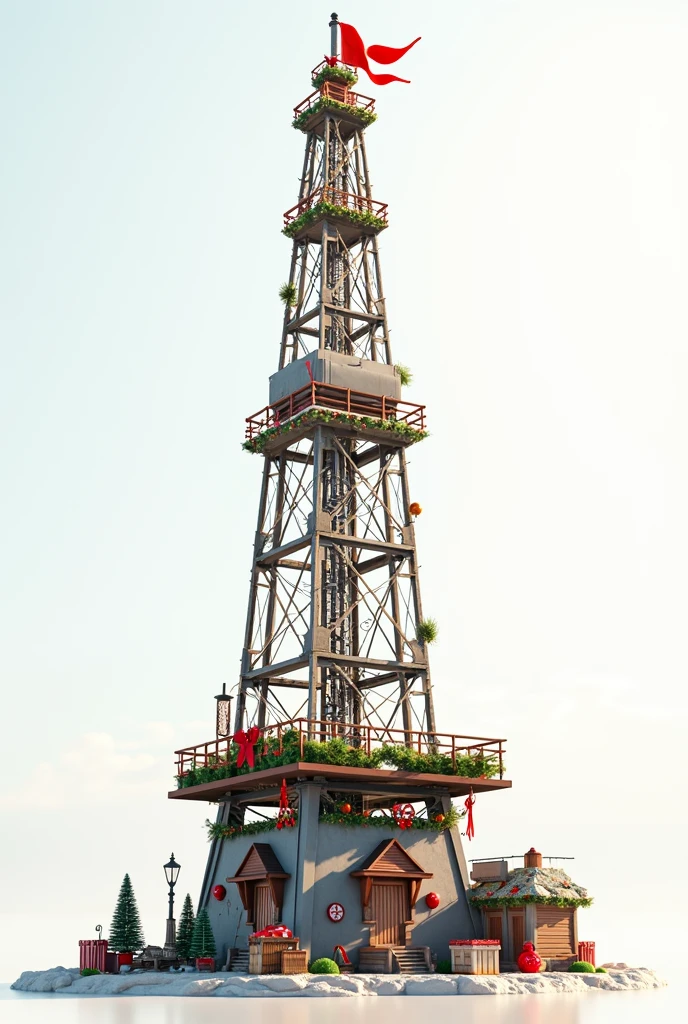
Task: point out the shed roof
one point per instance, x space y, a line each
260 862
539 885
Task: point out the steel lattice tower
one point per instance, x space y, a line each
335 603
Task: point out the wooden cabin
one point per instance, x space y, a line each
529 904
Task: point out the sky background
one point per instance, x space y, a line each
534 270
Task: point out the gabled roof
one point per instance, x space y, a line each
260 862
539 885
390 859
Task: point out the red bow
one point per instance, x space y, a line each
246 742
356 55
468 804
403 814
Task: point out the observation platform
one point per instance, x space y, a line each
388 421
355 216
301 738
352 111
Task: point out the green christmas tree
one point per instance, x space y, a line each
125 931
202 940
185 929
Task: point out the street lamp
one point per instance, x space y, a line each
172 870
223 714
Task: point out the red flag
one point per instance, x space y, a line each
355 54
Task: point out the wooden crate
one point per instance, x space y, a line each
265 954
478 959
294 961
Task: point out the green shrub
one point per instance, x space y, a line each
443 967
323 966
287 294
582 967
86 972
427 631
600 970
405 375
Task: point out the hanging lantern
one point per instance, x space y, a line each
415 509
219 892
432 901
223 713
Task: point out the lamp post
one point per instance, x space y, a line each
172 870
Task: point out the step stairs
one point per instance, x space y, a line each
412 959
239 961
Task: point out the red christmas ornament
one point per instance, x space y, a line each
432 900
285 815
219 892
529 961
468 804
345 808
335 912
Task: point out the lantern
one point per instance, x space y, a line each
432 901
219 892
223 713
415 509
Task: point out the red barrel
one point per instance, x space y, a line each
586 951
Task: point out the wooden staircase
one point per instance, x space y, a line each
413 959
395 960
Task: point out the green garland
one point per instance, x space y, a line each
398 427
325 209
217 830
498 902
337 752
363 115
451 818
334 74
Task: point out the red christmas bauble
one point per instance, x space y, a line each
529 961
432 900
219 892
345 808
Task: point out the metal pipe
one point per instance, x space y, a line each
334 25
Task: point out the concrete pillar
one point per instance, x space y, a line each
304 883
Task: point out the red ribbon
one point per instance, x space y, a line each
342 951
403 814
468 804
246 742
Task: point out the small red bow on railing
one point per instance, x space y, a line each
403 814
468 804
246 742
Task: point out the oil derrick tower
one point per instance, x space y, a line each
334 711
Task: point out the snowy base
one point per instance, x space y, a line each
149 983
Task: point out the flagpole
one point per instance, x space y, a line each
334 25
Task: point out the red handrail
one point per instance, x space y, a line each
332 396
329 194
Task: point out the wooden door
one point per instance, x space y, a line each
517 932
264 907
494 926
389 905
554 932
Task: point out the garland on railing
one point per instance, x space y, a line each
217 830
326 209
334 73
449 820
269 755
398 427
498 902
326 103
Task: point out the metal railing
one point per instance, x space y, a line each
347 200
340 399
352 99
362 736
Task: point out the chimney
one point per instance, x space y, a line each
532 859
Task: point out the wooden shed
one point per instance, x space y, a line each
529 904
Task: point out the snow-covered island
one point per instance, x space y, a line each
148 983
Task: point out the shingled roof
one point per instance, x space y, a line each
531 885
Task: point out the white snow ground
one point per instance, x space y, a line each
70 982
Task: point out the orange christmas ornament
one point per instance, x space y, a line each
415 509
